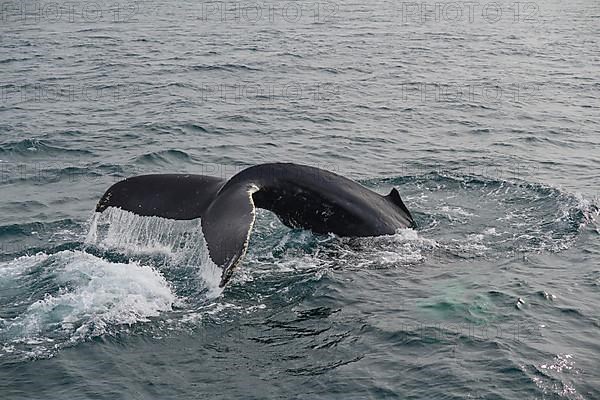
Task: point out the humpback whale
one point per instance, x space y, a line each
301 196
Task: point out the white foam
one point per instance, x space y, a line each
405 247
20 265
94 294
490 231
210 273
456 211
559 370
181 241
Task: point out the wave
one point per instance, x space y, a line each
74 296
486 216
35 148
224 67
164 157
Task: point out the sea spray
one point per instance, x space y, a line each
84 296
181 242
92 235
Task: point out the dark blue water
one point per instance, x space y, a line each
486 118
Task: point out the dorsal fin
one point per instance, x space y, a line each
394 197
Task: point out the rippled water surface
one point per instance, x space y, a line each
485 117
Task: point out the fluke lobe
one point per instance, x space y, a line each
301 196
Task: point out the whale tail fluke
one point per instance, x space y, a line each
226 225
173 196
227 215
301 196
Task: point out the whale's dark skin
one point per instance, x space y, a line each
301 196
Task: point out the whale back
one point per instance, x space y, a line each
325 202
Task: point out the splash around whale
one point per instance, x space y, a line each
301 196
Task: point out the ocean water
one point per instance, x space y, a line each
485 116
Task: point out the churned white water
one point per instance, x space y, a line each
83 296
181 242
